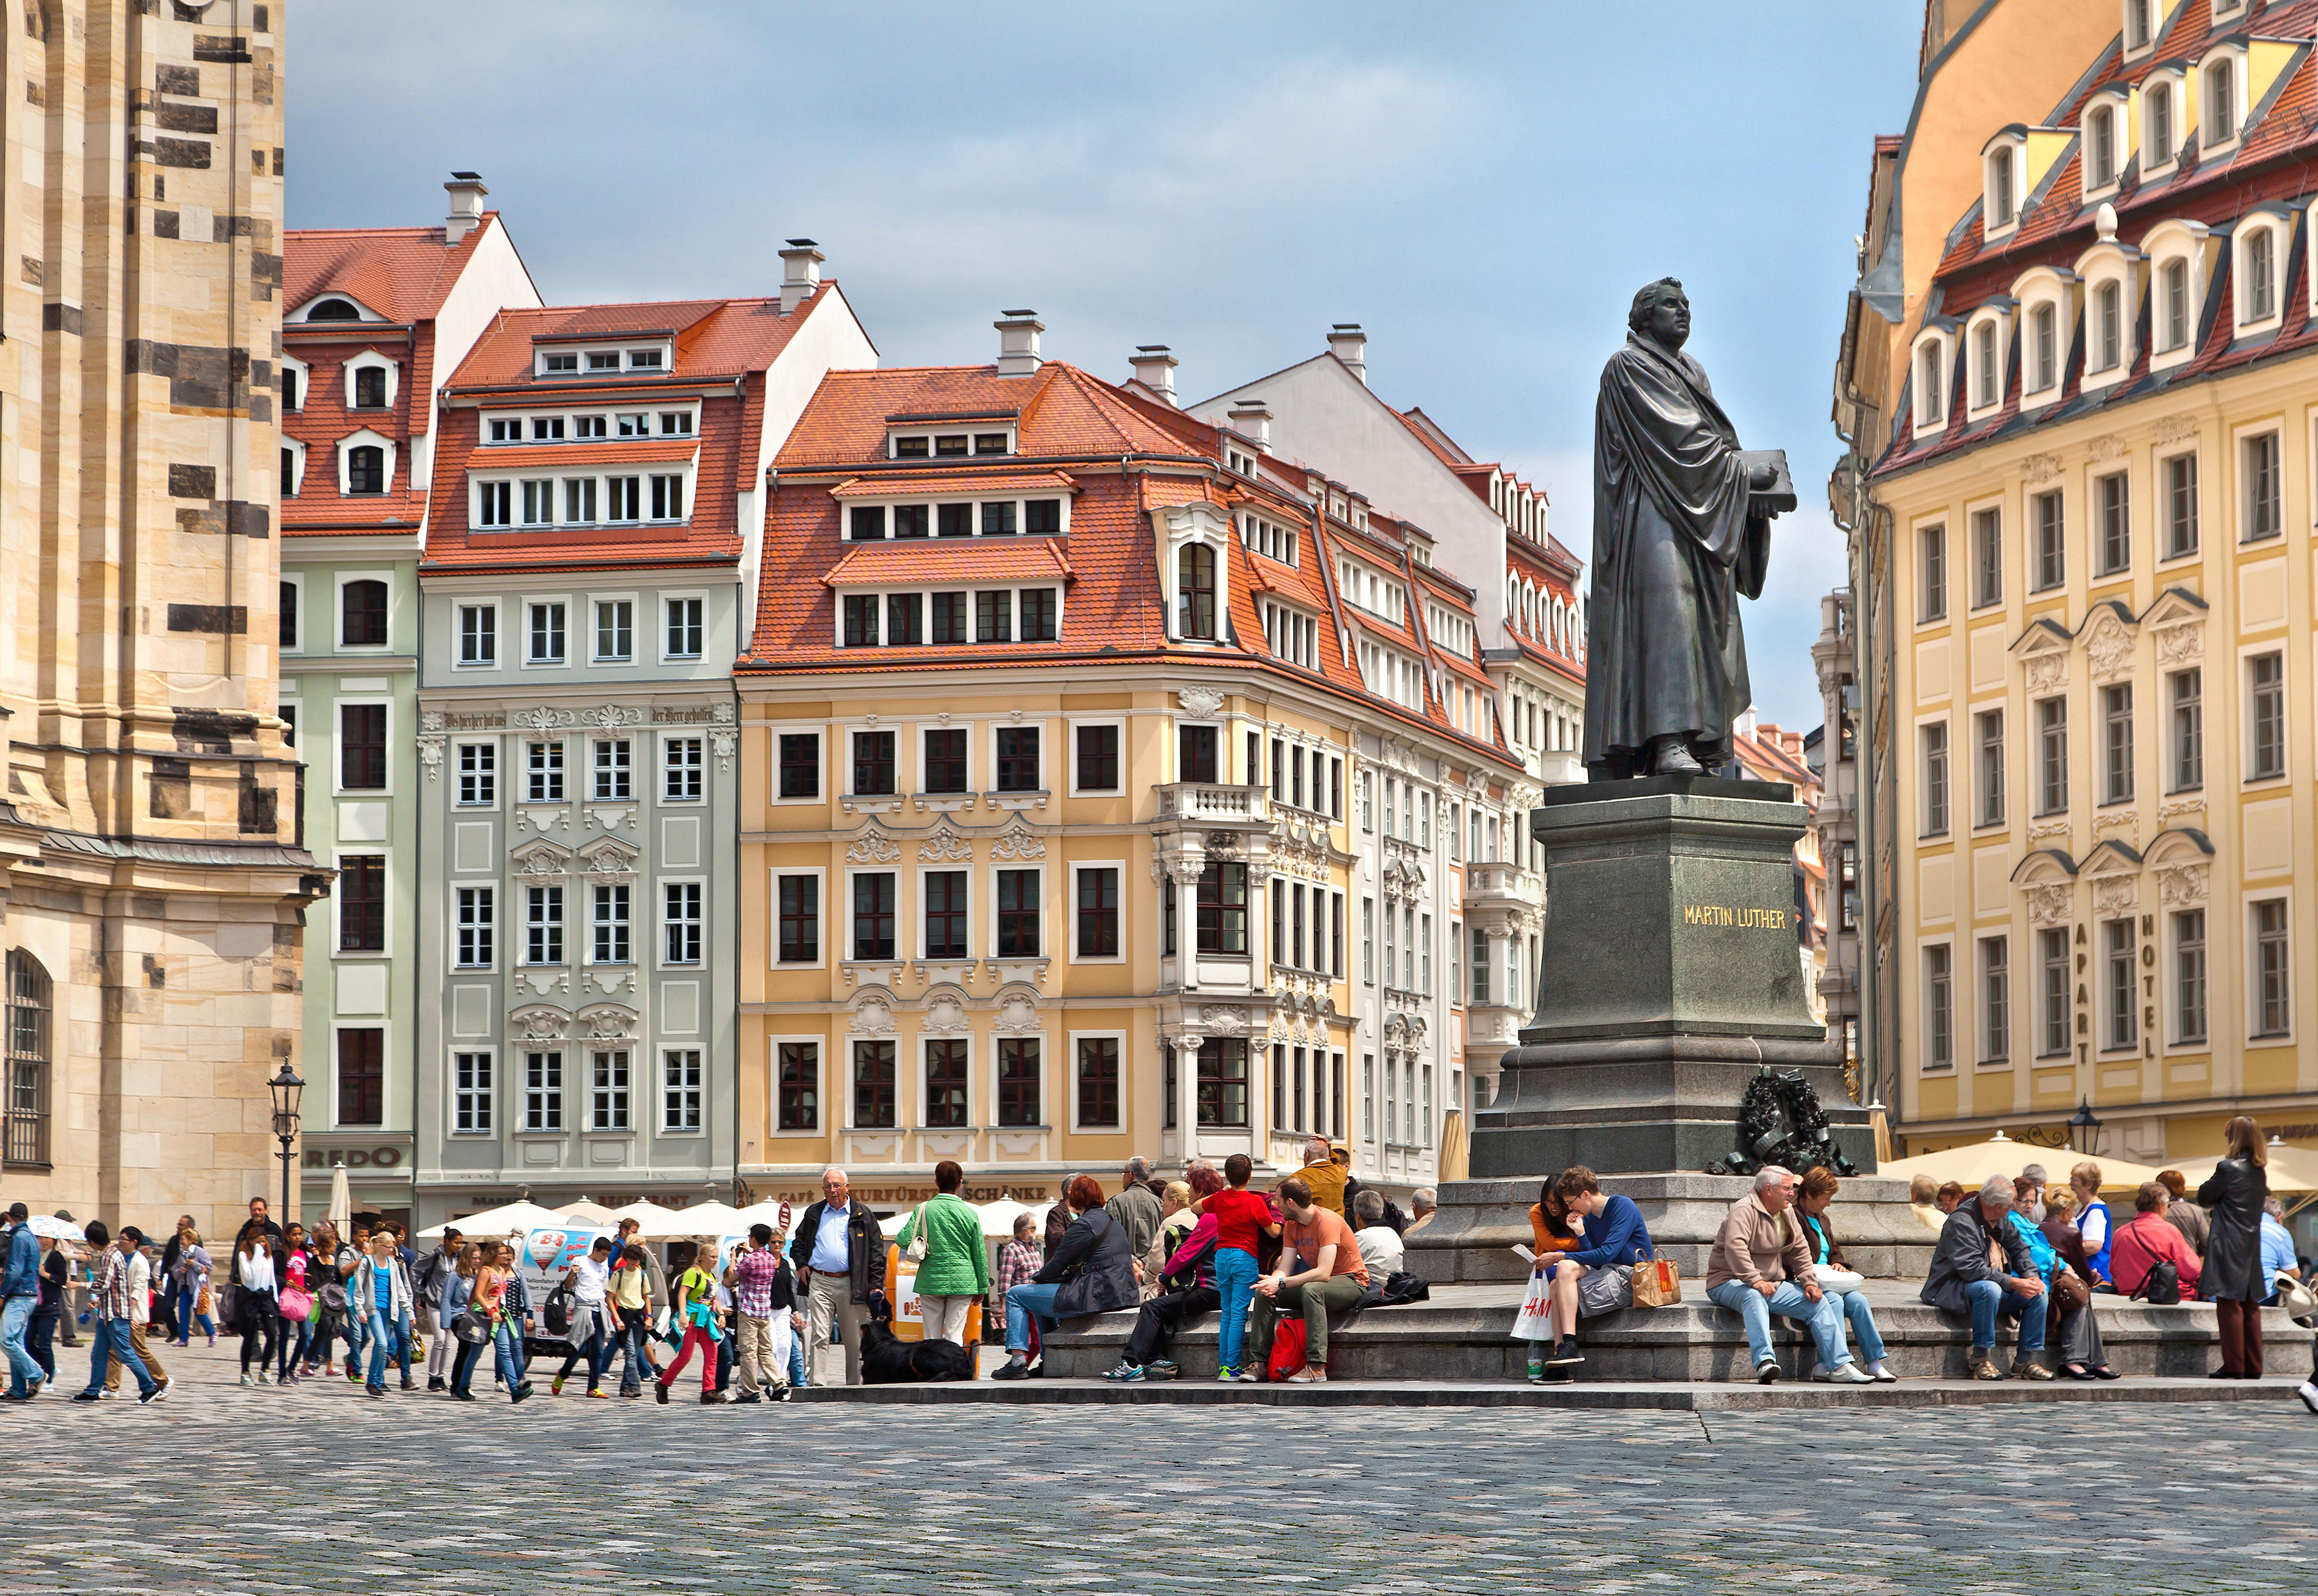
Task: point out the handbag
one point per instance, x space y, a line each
2161 1287
201 1303
334 1298
472 1327
295 1303
1831 1278
1658 1283
915 1252
2069 1291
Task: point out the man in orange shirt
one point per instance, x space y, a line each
1319 1272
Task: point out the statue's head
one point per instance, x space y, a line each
1661 312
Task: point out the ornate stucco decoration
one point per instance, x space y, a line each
873 846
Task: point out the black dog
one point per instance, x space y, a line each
888 1360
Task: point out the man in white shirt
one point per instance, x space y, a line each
590 1328
839 1254
1382 1248
141 1310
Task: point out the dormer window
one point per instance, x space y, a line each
334 310
949 446
1931 382
1195 591
2220 122
914 448
2108 327
644 360
2044 348
2003 189
2139 33
2173 309
2160 121
1987 365
603 360
2100 148
559 365
2260 254
370 388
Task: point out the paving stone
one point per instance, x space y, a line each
316 1488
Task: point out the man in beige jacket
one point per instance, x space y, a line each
1761 1264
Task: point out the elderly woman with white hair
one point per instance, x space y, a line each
1966 1279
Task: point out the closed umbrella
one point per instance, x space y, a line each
342 1201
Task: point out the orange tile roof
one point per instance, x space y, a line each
1109 554
906 485
607 452
910 561
402 273
714 338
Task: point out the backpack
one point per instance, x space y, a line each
559 1303
1287 1349
2161 1287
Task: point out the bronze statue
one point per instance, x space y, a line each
1682 528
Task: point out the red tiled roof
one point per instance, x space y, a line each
913 560
714 338
404 273
1110 554
608 451
2271 163
325 419
907 485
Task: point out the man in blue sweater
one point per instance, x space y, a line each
1599 1277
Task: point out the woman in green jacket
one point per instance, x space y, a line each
954 1273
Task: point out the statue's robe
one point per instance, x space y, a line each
1674 546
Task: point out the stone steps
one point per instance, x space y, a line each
1681 1398
1466 1335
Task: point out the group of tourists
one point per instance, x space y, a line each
1283 1270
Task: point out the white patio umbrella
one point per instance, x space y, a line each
342 1201
768 1214
594 1213
998 1218
714 1219
653 1222
495 1223
893 1222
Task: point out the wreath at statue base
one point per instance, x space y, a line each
1781 1122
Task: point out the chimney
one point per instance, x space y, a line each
1348 343
1155 368
1018 343
466 191
1252 418
800 273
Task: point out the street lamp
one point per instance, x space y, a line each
285 1087
2084 1128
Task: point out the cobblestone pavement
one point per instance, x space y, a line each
316 1488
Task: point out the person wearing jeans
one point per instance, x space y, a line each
1243 1219
1327 1277
1964 1280
381 1292
20 1294
108 1312
1090 1269
429 1280
1760 1264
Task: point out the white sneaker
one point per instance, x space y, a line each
2308 1393
1882 1373
264 1378
1818 1372
246 1380
1850 1374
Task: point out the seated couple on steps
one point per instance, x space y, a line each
1587 1245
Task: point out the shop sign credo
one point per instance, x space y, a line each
354 1158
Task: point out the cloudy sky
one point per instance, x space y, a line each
1482 185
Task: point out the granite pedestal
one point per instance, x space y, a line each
1671 976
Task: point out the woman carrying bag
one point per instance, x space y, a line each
293 1267
2070 1325
468 1326
944 1236
193 1283
260 1316
1813 1196
2231 1196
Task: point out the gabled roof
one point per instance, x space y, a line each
715 340
404 273
1062 413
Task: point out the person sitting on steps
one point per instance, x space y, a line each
1597 1275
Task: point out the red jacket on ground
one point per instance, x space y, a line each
2140 1243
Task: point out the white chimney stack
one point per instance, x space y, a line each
1155 368
1018 343
800 273
1252 418
466 191
1348 343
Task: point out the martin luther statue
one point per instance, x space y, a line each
1682 528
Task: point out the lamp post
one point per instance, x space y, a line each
2084 1128
285 1087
